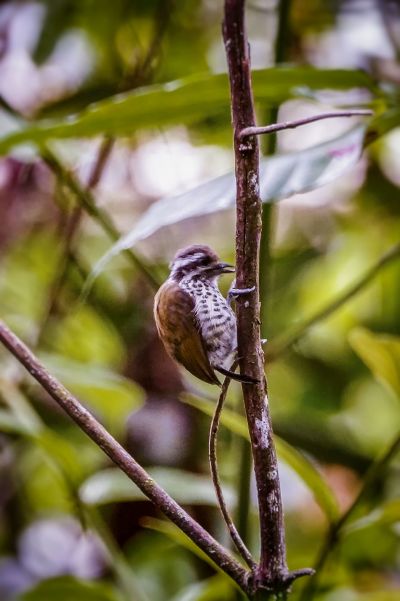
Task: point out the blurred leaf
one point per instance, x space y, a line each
388 513
112 485
322 493
42 484
67 588
181 101
174 533
57 20
381 353
108 393
216 588
66 456
230 419
384 123
26 273
9 423
162 567
23 413
99 340
280 177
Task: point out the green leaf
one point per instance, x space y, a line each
112 485
384 123
322 493
280 177
63 454
182 101
388 513
216 588
10 424
381 353
109 393
67 588
25 418
175 534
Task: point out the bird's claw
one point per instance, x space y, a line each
234 293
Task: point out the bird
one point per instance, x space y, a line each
194 321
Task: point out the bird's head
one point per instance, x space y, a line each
198 261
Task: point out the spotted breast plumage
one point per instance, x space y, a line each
194 321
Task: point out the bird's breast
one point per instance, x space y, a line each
216 321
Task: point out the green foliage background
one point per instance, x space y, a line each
330 295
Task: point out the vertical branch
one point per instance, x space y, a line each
272 572
248 232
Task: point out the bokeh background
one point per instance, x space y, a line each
73 180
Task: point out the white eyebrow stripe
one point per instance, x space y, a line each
187 260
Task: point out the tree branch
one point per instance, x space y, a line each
212 452
274 127
121 458
272 573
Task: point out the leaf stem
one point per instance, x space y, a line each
243 486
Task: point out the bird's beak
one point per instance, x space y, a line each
225 268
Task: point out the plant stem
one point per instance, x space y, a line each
86 200
216 552
243 486
272 573
334 533
212 453
278 347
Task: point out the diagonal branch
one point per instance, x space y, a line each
279 346
124 460
334 534
85 199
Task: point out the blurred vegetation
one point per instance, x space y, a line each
106 109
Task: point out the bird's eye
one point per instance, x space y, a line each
205 261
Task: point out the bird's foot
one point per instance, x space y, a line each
234 293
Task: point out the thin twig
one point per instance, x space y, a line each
274 127
123 459
334 533
281 345
70 235
212 450
86 200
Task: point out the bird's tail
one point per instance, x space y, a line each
238 377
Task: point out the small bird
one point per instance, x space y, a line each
194 321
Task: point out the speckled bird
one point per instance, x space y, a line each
194 321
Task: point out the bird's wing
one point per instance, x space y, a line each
178 329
